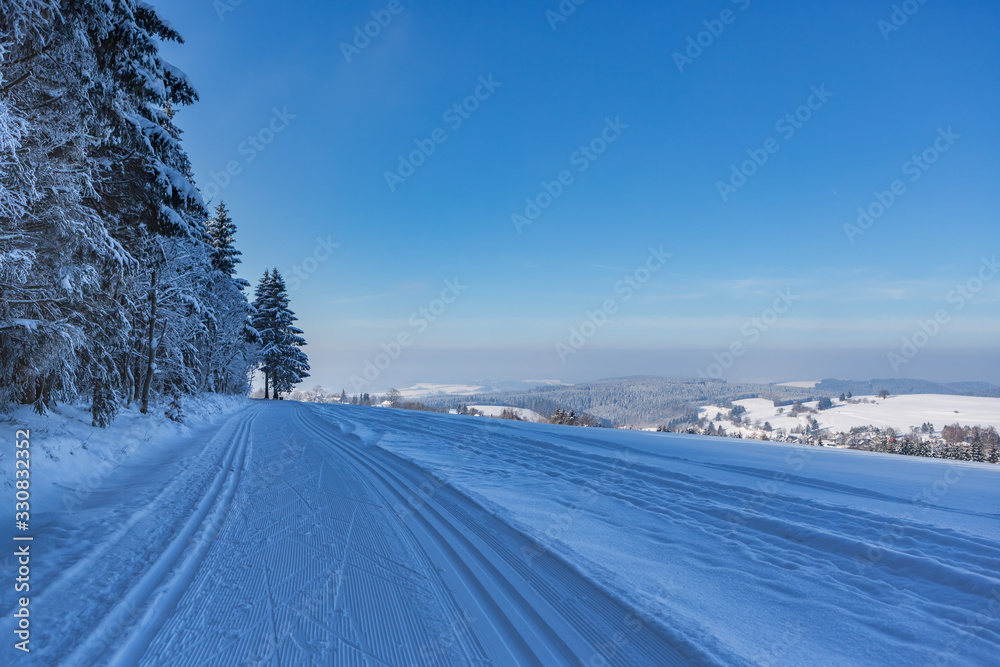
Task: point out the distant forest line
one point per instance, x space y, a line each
653 401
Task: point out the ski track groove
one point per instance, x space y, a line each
142 610
335 598
103 571
515 642
541 642
88 564
841 557
689 494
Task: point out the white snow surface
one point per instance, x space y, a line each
289 533
750 552
71 458
496 410
899 412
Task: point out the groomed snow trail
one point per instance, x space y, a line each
126 547
748 551
311 566
527 608
279 538
297 534
318 564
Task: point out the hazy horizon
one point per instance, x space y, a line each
480 367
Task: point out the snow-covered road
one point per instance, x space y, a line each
296 534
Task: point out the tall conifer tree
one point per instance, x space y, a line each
283 363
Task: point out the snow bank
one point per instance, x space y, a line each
71 459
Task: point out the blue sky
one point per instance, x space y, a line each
323 176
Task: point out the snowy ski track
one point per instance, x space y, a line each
297 534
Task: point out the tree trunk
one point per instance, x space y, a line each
151 357
137 383
267 393
45 392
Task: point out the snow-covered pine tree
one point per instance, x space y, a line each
231 348
293 364
55 252
106 280
283 363
263 320
977 452
222 237
159 213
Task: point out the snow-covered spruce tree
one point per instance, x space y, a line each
263 321
232 338
168 212
106 278
56 256
221 233
283 363
293 364
188 313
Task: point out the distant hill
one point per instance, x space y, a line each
901 386
639 401
645 401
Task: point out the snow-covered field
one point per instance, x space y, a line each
899 412
496 410
292 533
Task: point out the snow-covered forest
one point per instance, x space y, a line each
117 283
